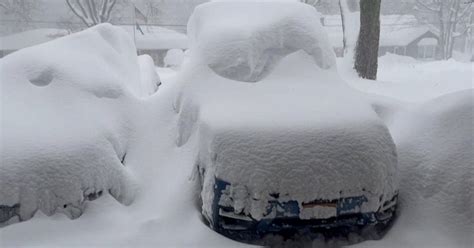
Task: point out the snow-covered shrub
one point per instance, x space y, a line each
66 120
174 58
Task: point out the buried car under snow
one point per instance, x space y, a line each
285 146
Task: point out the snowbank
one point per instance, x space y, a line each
407 79
248 52
66 108
435 146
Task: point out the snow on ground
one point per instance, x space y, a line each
429 109
411 80
434 143
433 137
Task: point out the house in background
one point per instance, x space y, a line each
14 42
399 34
152 40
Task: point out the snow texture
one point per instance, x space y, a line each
66 125
174 58
249 51
149 78
44 123
270 137
435 142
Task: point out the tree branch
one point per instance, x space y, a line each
426 6
110 10
103 9
76 12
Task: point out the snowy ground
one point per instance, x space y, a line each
433 138
430 117
164 214
407 79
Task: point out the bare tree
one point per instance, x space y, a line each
452 21
366 58
23 9
349 26
18 15
152 9
92 12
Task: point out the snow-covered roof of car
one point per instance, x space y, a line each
249 51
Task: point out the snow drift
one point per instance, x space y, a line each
435 141
247 47
66 123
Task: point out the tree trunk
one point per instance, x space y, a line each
344 13
350 27
367 50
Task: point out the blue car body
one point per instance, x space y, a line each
285 219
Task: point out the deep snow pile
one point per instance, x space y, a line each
248 49
66 122
270 136
435 142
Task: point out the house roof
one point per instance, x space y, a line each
395 30
153 38
30 38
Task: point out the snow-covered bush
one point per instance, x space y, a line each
66 120
174 58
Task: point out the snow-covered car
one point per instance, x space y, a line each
284 145
66 122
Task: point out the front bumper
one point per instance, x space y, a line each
283 217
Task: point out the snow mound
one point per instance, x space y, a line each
435 143
67 108
249 51
150 80
174 58
436 163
